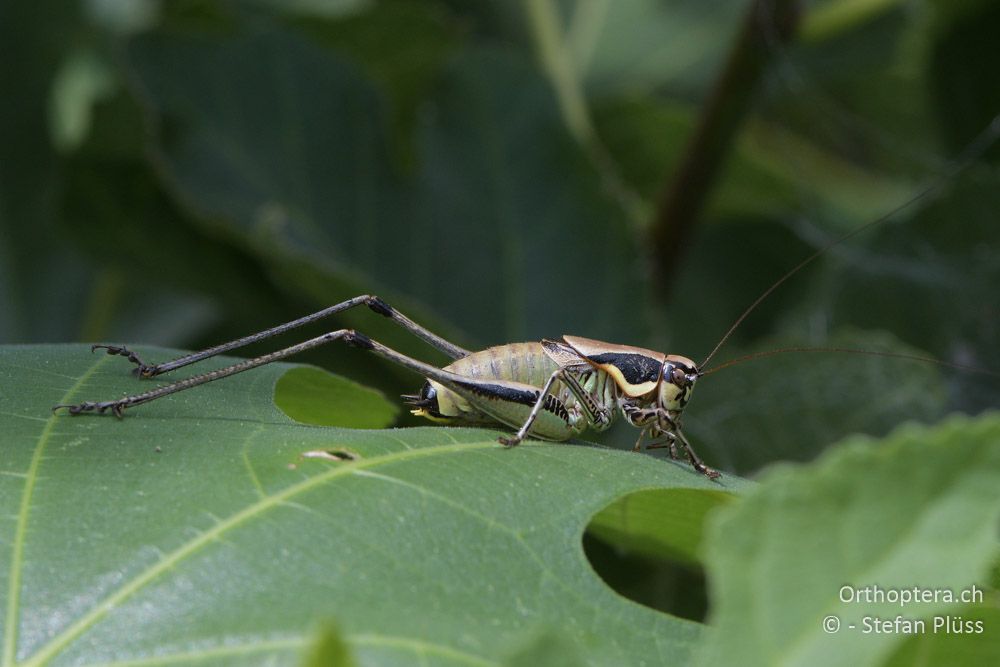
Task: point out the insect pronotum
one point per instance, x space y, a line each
552 389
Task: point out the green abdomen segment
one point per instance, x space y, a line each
501 385
526 363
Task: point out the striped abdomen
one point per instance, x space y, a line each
526 363
524 366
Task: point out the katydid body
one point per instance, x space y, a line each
584 390
553 389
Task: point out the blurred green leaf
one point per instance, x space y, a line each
792 406
83 80
947 647
965 98
162 276
423 38
510 201
42 279
642 45
209 537
497 194
122 17
729 266
825 20
769 172
919 509
314 213
853 94
322 8
263 176
329 649
956 312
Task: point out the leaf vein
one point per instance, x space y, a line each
194 545
21 530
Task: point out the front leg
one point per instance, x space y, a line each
696 461
660 422
669 443
642 418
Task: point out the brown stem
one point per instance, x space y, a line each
767 23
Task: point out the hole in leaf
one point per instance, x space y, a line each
313 396
645 546
666 586
331 455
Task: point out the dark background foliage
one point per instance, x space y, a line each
184 172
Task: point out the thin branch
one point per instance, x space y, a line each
767 23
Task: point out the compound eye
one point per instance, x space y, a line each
678 377
428 392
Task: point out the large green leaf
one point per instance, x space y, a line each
195 530
918 511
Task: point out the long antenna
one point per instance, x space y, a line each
971 152
851 350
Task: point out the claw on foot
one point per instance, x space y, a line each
671 446
141 368
711 473
509 442
117 408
